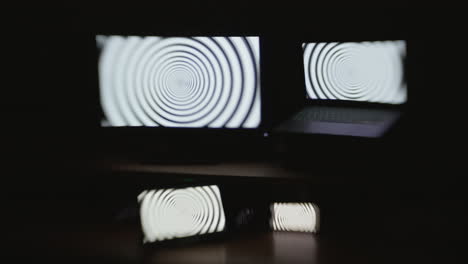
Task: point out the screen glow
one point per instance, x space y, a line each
300 217
153 81
356 71
176 213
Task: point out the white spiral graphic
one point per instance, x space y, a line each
180 81
356 71
300 217
175 213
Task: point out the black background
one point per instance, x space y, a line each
52 128
51 104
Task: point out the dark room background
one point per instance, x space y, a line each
51 107
52 138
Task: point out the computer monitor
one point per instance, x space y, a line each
179 82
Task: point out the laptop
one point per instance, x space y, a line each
351 88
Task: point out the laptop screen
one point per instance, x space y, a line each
197 82
356 71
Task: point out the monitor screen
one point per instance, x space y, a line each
356 71
197 82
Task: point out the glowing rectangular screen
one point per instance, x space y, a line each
176 213
356 71
299 217
198 82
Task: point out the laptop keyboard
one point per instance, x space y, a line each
341 115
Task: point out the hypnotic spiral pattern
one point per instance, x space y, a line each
174 213
301 217
180 81
364 71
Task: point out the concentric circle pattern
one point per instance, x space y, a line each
180 81
300 217
356 71
175 213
